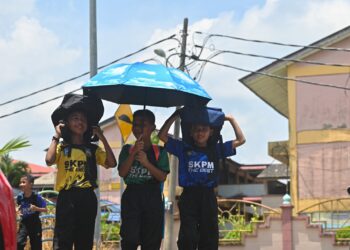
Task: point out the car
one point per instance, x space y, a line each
111 209
7 216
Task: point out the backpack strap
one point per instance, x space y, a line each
91 170
19 198
66 149
156 151
35 198
34 201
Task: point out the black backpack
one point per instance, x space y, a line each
214 117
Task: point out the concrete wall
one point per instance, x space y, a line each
298 235
228 191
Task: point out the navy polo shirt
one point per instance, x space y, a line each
196 168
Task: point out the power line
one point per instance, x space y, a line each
44 89
86 73
280 59
201 69
36 105
55 85
275 43
272 75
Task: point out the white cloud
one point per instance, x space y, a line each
33 53
32 56
284 21
12 10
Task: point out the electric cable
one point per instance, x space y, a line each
86 73
275 43
272 75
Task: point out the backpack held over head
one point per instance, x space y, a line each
91 105
213 117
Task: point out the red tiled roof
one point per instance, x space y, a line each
38 170
253 167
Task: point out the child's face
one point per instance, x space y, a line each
77 123
24 184
141 126
201 134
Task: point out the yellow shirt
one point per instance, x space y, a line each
71 170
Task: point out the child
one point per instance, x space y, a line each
198 174
76 158
144 167
30 205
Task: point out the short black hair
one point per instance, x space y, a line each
29 177
145 114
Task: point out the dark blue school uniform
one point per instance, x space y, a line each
30 224
198 175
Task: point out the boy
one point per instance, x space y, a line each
144 167
198 174
76 120
30 205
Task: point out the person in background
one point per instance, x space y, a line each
30 205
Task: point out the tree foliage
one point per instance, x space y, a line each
14 145
12 170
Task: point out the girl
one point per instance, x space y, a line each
76 158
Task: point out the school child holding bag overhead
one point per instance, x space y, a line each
76 157
144 167
199 154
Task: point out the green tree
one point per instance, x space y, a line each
13 170
14 145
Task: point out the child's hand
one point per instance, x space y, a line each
141 156
139 145
228 117
58 129
177 113
32 208
96 130
18 211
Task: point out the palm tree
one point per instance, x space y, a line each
12 170
14 145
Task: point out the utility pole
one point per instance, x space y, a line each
93 71
169 217
93 39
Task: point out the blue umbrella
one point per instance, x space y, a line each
147 84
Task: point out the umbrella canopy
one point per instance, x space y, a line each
147 84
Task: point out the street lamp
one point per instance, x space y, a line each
160 52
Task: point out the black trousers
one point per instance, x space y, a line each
31 227
199 219
142 215
75 219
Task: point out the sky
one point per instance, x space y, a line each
44 42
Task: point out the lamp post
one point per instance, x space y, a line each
93 71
